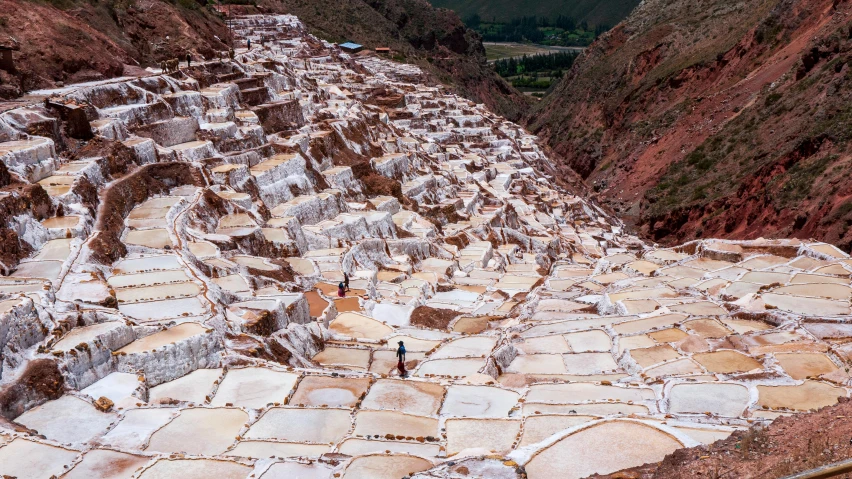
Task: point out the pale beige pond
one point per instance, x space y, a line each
418 398
329 391
540 427
158 340
804 397
370 423
588 341
195 469
106 464
478 401
451 367
322 426
384 467
804 365
728 400
727 362
616 445
581 392
193 387
357 325
200 431
347 358
493 435
361 447
26 459
254 387
157 238
266 449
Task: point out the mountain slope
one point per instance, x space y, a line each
434 39
595 12
708 118
74 40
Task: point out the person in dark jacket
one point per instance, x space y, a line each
400 353
188 60
341 293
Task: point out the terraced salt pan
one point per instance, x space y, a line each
382 423
681 367
84 334
539 427
803 397
538 364
164 309
147 263
157 238
319 426
589 409
117 387
254 387
329 391
727 362
807 306
451 367
292 470
418 398
384 467
193 387
589 341
805 365
202 431
160 292
646 357
826 290
478 401
472 346
195 469
361 447
617 445
356 325
48 270
148 279
136 426
26 459
722 399
106 464
163 338
49 420
589 363
265 449
493 435
347 358
581 392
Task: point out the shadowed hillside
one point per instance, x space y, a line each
704 118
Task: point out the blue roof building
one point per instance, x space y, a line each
351 47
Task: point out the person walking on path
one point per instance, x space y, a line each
248 43
400 353
188 60
346 280
340 291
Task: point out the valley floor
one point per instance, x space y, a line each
170 302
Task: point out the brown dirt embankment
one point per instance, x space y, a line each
41 381
124 194
433 318
787 446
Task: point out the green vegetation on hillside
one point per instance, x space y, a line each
535 72
561 31
593 12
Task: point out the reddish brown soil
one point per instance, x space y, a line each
692 119
25 199
787 446
73 40
41 381
123 195
432 318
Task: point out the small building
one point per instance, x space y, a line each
350 47
7 46
383 51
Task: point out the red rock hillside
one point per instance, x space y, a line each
712 118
